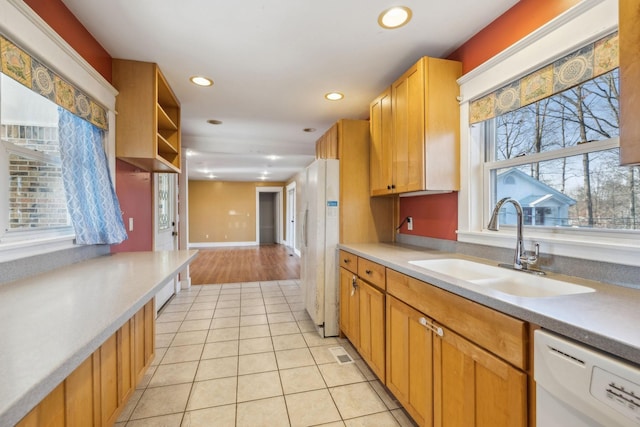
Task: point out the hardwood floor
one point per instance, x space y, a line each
244 264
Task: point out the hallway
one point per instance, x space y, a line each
247 354
244 264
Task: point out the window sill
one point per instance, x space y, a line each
606 246
11 251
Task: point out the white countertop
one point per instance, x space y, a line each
608 319
50 323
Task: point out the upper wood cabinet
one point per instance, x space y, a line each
148 120
415 137
629 32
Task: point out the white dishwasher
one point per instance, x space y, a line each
577 386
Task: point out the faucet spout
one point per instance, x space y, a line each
494 225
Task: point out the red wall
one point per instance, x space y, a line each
56 14
134 191
437 215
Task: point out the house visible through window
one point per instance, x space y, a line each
559 158
33 197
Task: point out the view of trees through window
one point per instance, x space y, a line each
559 158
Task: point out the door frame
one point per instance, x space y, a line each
291 216
278 191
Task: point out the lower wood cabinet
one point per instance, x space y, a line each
95 393
362 319
410 360
475 388
444 380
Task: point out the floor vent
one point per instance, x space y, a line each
341 355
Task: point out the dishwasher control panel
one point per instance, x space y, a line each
616 392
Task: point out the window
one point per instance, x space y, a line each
35 204
559 158
559 220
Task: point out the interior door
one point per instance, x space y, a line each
165 225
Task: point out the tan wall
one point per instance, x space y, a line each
223 211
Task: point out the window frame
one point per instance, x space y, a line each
24 27
584 23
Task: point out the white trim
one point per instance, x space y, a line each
279 205
586 22
199 245
290 241
27 248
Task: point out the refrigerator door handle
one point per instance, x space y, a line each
305 228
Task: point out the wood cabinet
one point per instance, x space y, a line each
148 121
349 306
362 313
461 383
410 360
415 136
96 392
629 33
362 220
381 155
475 388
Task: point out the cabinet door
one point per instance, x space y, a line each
372 330
409 361
381 156
629 31
349 306
474 388
408 104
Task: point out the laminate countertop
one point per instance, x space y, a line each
607 319
51 322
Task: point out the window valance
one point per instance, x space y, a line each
579 66
22 67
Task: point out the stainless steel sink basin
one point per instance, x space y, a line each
499 279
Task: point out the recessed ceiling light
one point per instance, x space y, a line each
201 81
190 153
334 96
309 130
211 176
273 157
395 17
214 122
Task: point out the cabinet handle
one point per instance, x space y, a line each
354 285
368 272
437 329
346 260
388 187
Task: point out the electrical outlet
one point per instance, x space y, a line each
409 223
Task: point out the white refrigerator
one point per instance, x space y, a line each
320 234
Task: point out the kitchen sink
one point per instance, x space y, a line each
499 279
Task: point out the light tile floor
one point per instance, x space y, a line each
247 354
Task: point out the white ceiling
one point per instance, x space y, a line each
272 61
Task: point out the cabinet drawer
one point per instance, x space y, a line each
498 333
349 261
372 272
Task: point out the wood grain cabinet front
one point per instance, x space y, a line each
96 392
415 131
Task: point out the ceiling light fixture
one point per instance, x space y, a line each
214 122
309 130
334 96
211 176
201 81
394 17
273 157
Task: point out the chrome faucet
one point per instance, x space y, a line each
521 260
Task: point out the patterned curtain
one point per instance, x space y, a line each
91 198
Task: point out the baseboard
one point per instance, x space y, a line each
197 245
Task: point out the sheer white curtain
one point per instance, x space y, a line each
91 198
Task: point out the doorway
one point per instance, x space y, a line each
268 215
165 202
267 219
